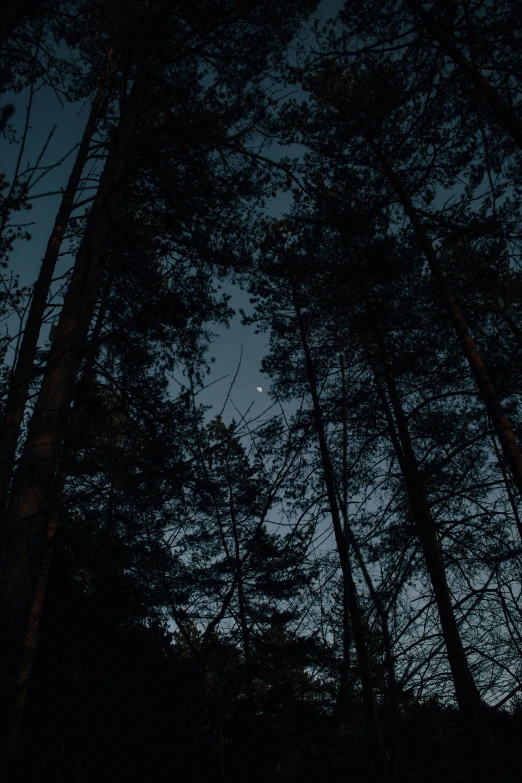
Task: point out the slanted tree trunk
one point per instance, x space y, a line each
21 375
370 704
501 423
470 704
31 499
503 113
30 643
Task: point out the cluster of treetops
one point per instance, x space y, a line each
330 590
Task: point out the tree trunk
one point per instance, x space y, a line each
250 754
21 375
501 110
394 712
30 645
31 498
30 642
500 422
347 629
242 607
370 705
511 497
470 704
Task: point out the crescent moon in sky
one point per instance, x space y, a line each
259 389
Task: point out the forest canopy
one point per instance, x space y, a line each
329 590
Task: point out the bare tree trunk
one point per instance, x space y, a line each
21 374
469 701
30 644
505 116
500 422
31 498
370 704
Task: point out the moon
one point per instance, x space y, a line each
259 389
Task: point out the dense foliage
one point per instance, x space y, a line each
331 592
